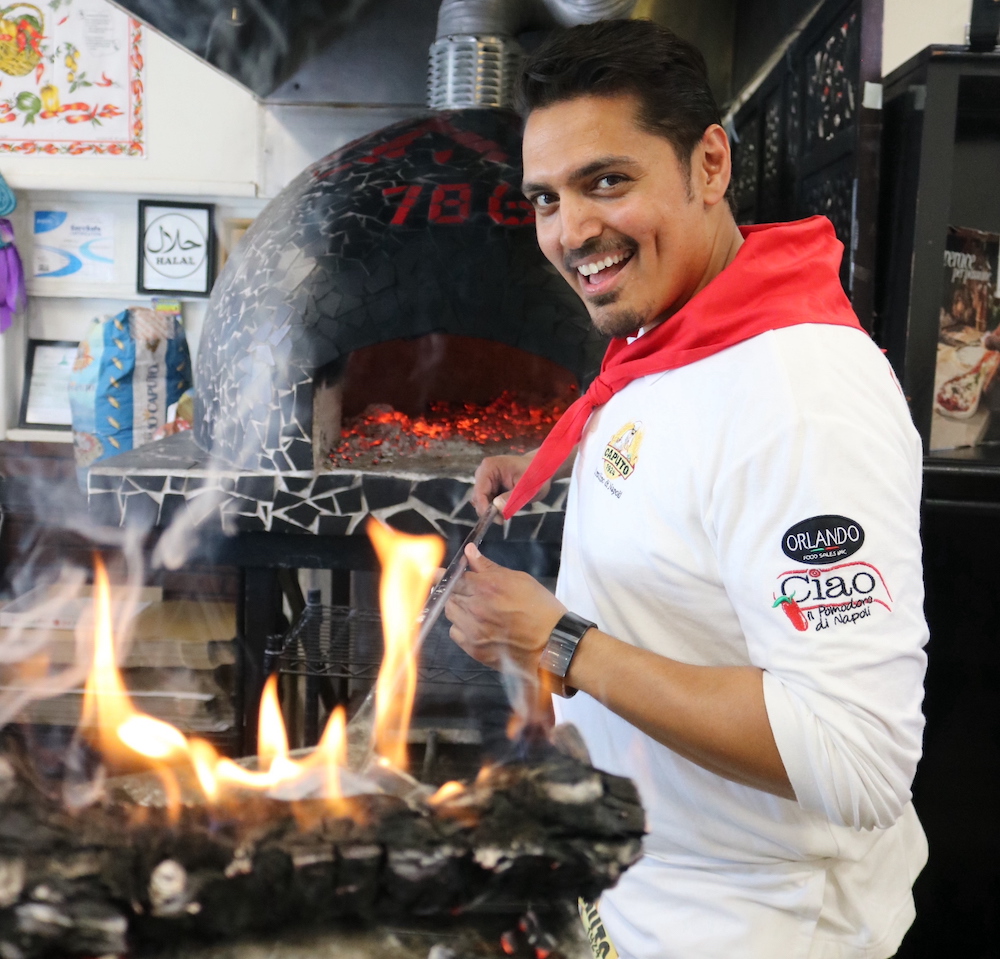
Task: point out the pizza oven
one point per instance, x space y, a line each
387 320
401 271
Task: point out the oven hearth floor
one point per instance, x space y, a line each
456 458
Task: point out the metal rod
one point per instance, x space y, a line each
446 584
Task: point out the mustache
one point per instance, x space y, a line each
599 245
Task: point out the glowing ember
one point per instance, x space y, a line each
382 431
448 791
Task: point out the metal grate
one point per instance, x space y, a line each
336 642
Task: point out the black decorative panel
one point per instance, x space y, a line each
746 169
793 121
804 119
770 185
832 67
419 228
831 193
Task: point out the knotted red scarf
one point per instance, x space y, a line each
783 274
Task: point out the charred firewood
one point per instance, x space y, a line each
118 878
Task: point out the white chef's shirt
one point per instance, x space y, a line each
785 466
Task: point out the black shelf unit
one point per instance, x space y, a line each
940 168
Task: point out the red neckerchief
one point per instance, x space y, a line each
784 274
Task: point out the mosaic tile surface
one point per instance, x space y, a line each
416 229
154 485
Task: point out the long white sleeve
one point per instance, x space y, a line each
844 694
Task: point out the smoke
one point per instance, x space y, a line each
29 652
260 43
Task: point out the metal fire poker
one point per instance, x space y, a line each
446 584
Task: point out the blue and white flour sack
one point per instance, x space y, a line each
128 370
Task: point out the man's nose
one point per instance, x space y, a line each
578 223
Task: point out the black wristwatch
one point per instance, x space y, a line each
559 650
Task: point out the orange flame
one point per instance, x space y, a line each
332 753
272 740
120 728
124 734
106 704
408 567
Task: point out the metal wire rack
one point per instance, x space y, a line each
338 642
336 652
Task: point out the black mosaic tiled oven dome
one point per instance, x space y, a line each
419 228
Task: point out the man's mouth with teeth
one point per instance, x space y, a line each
596 272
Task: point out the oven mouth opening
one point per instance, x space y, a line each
434 404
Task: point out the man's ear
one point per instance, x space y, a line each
712 164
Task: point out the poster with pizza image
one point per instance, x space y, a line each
71 78
966 384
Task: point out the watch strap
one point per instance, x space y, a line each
560 648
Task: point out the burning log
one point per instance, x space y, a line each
300 841
114 877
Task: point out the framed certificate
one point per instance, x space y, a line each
45 398
176 248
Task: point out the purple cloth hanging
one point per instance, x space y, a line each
11 276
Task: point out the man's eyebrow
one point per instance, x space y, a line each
587 170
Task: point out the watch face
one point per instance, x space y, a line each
559 650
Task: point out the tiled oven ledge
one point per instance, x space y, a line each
152 485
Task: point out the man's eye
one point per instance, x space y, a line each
609 180
544 200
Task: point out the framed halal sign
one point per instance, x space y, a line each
176 248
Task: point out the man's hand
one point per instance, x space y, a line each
713 715
499 474
501 617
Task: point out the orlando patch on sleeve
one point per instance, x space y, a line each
820 540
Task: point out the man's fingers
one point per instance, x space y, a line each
477 562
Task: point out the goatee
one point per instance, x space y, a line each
620 323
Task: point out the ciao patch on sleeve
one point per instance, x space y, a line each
820 540
844 594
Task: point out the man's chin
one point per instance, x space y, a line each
612 322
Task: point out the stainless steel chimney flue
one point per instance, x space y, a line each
473 71
475 59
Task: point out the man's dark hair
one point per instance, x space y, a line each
666 74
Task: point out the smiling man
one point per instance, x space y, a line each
737 623
654 247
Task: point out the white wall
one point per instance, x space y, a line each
207 139
910 25
295 135
202 137
203 142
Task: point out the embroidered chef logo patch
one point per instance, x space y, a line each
622 452
822 539
839 595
